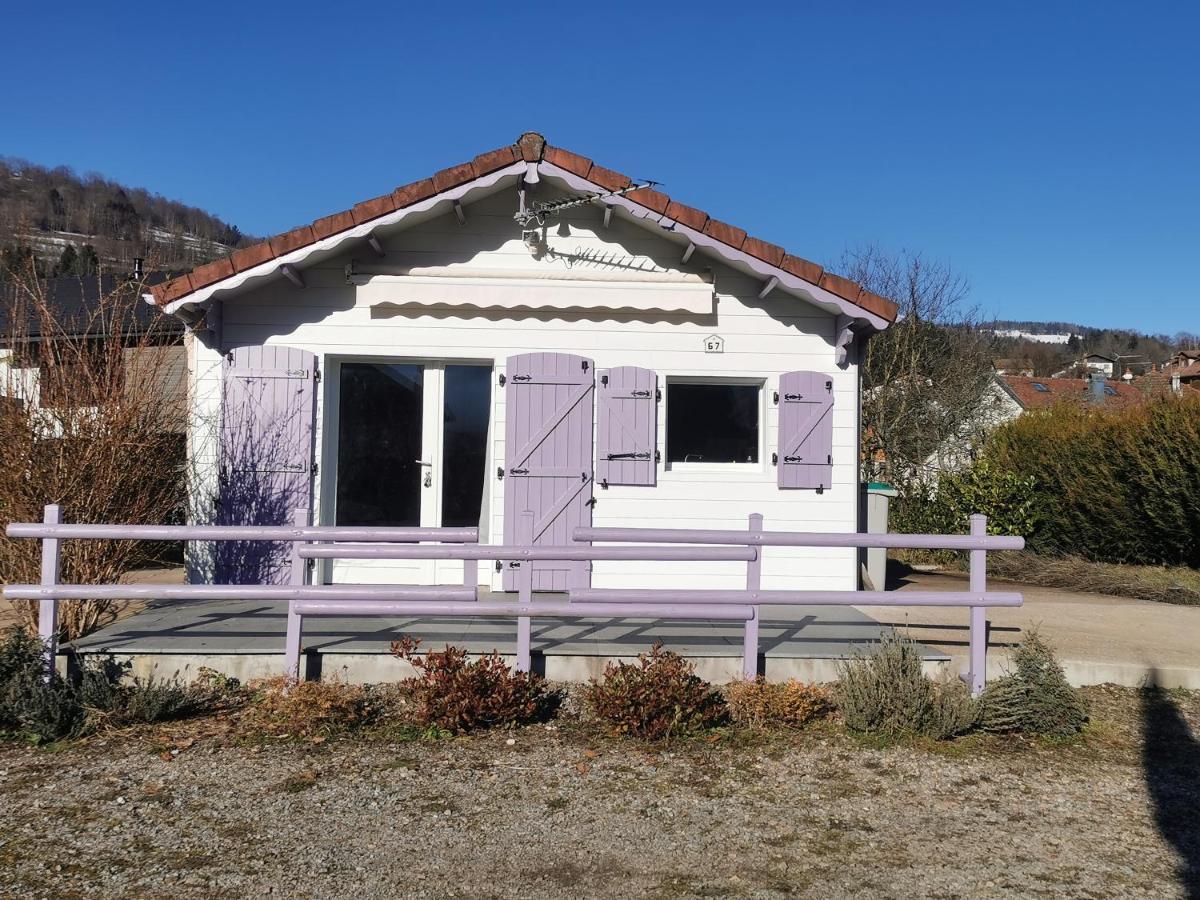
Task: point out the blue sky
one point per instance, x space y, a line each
1048 151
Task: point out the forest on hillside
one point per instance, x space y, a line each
1131 349
70 224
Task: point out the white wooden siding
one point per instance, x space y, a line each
763 338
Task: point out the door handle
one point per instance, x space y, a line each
428 480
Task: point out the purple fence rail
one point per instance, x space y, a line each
342 542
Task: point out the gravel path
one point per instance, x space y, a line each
558 812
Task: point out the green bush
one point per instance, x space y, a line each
107 697
1119 485
658 697
1013 503
1035 698
32 707
886 693
451 693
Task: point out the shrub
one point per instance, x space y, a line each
1119 485
281 707
1035 698
109 700
453 694
887 693
658 697
791 704
30 706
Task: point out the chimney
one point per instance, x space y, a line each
1096 389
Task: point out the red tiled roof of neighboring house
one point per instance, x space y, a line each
530 147
1071 390
1188 373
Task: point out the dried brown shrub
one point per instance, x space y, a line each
455 694
658 697
91 418
306 709
787 704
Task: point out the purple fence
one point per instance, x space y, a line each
349 542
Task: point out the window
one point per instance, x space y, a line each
1038 386
468 392
712 423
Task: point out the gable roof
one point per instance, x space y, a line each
74 301
1070 390
531 149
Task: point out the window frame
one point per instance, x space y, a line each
724 468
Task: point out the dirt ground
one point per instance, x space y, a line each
559 811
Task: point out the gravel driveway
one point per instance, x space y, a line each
558 812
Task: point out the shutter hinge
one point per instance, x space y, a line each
774 459
316 374
657 456
776 397
604 380
829 459
499 472
658 395
829 387
316 468
592 500
499 566
502 379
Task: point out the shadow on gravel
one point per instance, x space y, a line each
1171 765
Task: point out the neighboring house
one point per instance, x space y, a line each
81 310
1184 359
432 357
1042 393
1093 362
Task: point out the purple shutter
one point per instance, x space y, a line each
627 426
548 407
805 456
267 411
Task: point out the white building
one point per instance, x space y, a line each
427 359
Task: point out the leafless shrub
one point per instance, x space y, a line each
789 704
90 418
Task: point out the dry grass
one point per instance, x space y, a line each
306 709
1165 584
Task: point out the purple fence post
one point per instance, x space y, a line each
48 609
525 590
753 583
295 622
977 673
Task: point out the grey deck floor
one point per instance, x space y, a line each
233 627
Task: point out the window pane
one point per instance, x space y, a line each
464 454
712 423
379 444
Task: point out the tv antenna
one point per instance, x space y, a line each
536 214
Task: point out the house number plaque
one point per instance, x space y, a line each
714 343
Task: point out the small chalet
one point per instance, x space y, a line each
528 331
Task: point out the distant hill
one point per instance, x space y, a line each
1019 341
75 225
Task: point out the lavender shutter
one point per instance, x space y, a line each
548 400
267 411
627 426
805 456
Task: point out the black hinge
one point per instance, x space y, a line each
641 454
592 500
645 394
658 395
500 472
604 380
502 379
316 468
829 386
829 459
499 566
774 459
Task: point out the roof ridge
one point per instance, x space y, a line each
529 147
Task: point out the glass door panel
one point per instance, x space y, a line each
466 403
380 476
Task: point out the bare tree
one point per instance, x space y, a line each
927 380
91 418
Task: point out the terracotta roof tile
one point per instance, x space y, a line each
323 228
373 209
725 233
572 162
651 199
494 159
453 177
530 147
607 178
255 254
409 194
693 218
290 240
843 287
770 253
802 268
